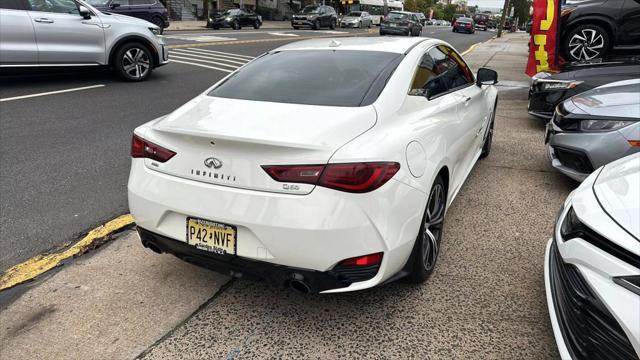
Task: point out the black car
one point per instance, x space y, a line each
464 24
422 18
548 90
590 28
151 10
315 16
235 19
401 23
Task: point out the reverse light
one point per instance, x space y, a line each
366 260
141 148
349 177
634 143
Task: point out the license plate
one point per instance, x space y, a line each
212 236
392 25
299 22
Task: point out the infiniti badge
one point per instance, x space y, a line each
213 163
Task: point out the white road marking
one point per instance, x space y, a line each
51 93
202 38
208 56
332 32
204 61
231 55
283 34
201 65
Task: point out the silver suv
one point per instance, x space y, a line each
73 33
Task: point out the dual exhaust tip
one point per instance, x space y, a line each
296 282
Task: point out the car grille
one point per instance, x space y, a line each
588 328
356 273
574 159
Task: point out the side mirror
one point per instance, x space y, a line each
486 77
84 12
114 5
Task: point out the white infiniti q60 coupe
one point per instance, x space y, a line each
326 165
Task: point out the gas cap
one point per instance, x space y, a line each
416 158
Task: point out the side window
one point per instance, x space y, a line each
13 4
440 70
54 6
138 2
121 2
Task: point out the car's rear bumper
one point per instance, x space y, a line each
404 30
314 231
306 23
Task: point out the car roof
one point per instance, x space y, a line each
398 45
401 12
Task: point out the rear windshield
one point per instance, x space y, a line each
394 15
354 14
312 77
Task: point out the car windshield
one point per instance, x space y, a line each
312 77
354 14
231 12
98 2
394 15
311 10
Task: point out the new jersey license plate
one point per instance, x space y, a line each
212 236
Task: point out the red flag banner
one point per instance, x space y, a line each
544 32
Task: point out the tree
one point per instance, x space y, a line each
448 12
410 5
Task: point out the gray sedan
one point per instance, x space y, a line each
594 128
357 19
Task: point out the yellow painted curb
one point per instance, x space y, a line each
42 263
470 49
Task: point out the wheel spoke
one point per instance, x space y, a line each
129 57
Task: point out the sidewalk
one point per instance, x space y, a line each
202 25
485 301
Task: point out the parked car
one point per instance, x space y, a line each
151 10
465 25
38 34
481 26
357 19
480 21
548 90
590 28
235 19
595 128
438 22
422 18
313 193
428 22
592 266
315 16
401 23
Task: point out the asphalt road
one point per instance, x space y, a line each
64 158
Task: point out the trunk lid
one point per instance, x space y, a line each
225 141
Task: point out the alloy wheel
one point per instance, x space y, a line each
586 45
136 63
432 229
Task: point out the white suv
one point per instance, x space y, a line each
72 33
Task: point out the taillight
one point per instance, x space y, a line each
366 260
141 148
349 177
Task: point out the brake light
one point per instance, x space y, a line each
366 260
349 177
141 148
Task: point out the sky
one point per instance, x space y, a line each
487 3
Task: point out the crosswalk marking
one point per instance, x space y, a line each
199 55
204 38
221 61
283 34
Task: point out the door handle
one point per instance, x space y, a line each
465 99
43 20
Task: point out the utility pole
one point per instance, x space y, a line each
504 17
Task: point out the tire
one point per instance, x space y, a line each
215 27
427 245
586 42
382 33
236 25
256 24
316 25
486 147
158 22
454 30
133 62
332 24
296 27
369 26
359 24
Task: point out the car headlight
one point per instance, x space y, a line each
155 31
558 84
603 125
229 18
313 17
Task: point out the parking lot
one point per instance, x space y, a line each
65 165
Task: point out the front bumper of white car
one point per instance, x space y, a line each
591 315
281 237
